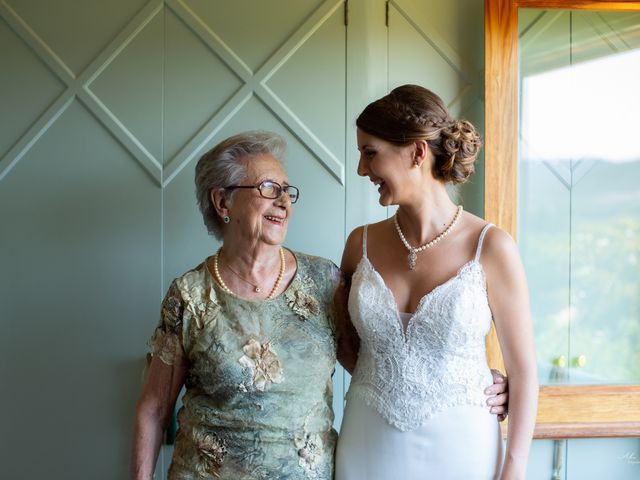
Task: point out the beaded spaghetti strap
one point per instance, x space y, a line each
481 240
364 241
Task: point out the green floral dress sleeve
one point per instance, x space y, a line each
166 341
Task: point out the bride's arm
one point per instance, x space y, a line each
348 341
509 302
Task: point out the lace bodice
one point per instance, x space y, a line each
438 362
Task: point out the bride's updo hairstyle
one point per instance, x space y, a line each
410 113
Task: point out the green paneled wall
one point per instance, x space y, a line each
104 109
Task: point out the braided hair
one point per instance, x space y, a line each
411 112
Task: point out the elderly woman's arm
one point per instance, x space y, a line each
153 412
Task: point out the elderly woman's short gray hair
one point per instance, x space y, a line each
224 165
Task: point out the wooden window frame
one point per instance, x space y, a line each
564 411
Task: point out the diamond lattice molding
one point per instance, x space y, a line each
255 83
474 88
78 87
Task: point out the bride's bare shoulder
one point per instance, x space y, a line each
352 251
499 248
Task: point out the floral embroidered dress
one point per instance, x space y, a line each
258 402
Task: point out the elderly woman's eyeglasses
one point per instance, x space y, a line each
272 190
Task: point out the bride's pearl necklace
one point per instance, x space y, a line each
413 251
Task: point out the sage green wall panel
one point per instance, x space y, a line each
185 239
131 87
367 65
182 76
197 83
458 24
28 87
366 72
423 63
312 84
80 271
318 223
472 192
75 30
450 33
253 30
446 56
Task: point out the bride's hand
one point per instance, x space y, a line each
498 395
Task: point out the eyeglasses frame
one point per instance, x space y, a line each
283 189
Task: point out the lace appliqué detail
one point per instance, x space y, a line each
439 362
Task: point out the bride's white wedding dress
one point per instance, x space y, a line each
416 407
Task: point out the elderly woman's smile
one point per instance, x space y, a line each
275 219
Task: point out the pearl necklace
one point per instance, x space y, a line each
274 290
256 288
413 251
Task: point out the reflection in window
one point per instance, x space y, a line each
579 207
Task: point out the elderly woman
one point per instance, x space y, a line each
249 332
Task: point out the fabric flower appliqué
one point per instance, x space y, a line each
171 310
303 304
166 346
310 452
263 364
201 304
212 452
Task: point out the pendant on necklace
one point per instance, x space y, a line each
413 258
257 289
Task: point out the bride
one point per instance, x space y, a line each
424 288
